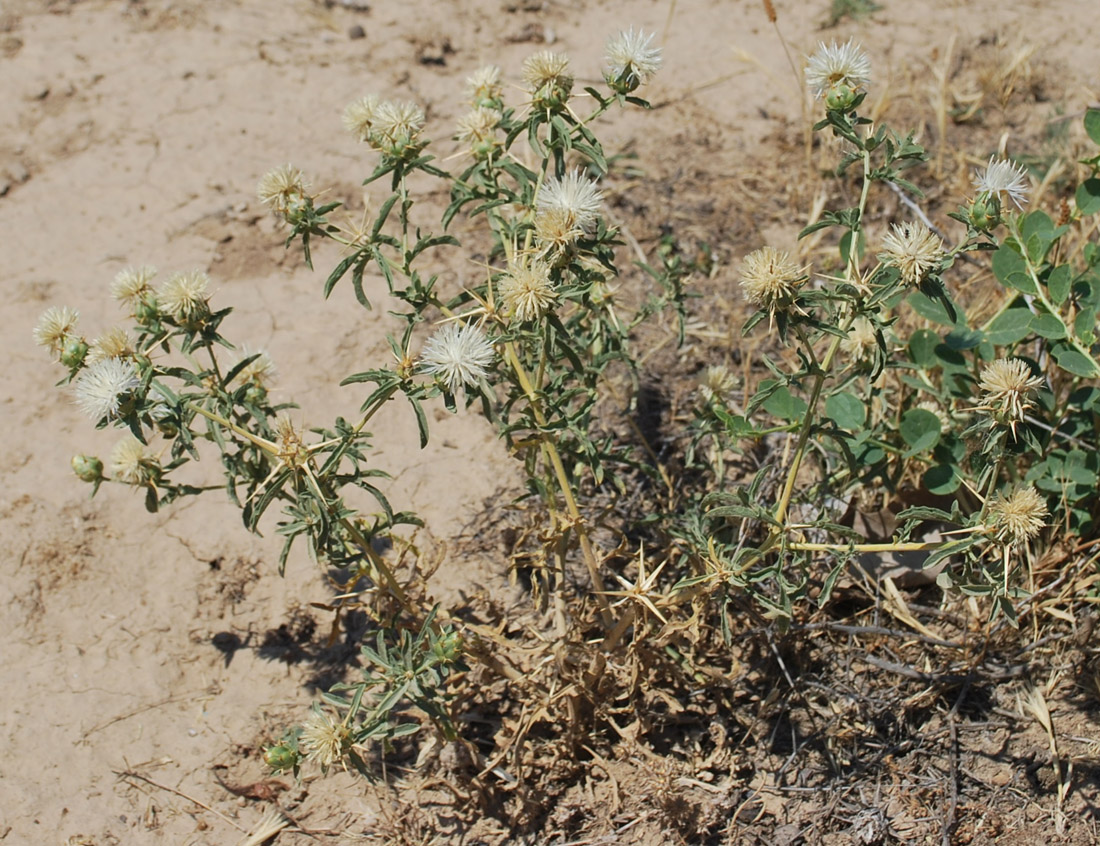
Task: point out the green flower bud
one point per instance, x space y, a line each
256 394
73 351
841 97
985 213
282 757
88 468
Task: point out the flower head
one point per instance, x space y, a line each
259 371
861 338
283 190
630 60
325 741
1018 517
1003 176
527 292
184 296
56 324
359 117
837 66
397 126
483 87
1006 384
770 278
914 250
548 78
458 354
100 388
716 384
132 463
566 209
114 343
478 128
131 285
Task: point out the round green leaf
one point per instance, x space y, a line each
1088 196
1011 270
1048 326
1009 327
1074 362
922 348
920 429
784 405
846 411
942 479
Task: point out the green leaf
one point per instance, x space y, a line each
784 405
931 309
1074 362
1009 327
942 479
922 347
1092 124
920 429
1010 268
1088 196
1048 326
846 411
1059 283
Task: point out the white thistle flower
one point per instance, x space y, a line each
458 354
132 284
114 343
837 64
324 740
54 326
100 388
483 86
567 207
630 57
914 250
184 296
132 463
1003 176
397 124
527 291
359 117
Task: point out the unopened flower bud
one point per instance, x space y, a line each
73 351
282 757
88 468
985 213
840 97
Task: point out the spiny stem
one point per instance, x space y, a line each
554 458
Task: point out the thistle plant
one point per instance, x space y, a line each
991 423
877 385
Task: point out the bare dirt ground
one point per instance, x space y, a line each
147 658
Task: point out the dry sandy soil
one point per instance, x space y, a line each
167 647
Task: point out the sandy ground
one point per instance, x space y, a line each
134 133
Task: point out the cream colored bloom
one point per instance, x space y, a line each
114 343
1018 517
914 250
283 189
478 129
324 740
457 355
55 325
717 384
483 86
770 277
185 296
1007 384
566 209
527 291
397 125
547 68
132 463
101 388
1003 176
861 338
260 371
358 117
132 284
835 65
629 57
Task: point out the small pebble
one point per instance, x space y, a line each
356 32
